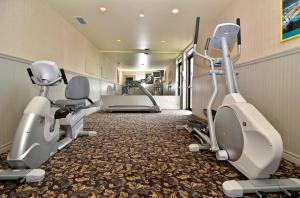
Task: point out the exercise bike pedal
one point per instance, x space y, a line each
261 194
87 133
92 133
292 194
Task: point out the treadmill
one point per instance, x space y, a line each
136 108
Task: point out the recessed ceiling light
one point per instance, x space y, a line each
118 40
175 11
163 41
141 15
103 9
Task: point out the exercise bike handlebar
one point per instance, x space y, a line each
35 81
47 83
63 75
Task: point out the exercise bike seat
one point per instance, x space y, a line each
76 93
67 103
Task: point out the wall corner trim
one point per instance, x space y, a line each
291 157
269 57
5 147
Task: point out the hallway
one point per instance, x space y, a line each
133 155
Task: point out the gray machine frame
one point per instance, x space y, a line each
136 108
38 134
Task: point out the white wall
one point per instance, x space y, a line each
32 30
260 22
108 70
171 77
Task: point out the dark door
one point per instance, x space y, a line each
179 78
189 83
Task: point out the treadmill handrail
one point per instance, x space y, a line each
146 92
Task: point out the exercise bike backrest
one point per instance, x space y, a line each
46 73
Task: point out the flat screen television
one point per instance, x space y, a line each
157 74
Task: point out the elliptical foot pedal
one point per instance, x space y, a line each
88 133
235 188
198 147
23 175
222 155
181 127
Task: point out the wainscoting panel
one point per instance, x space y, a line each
16 90
272 84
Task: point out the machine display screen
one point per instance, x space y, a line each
156 74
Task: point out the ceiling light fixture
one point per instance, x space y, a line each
141 15
118 40
163 41
103 9
175 11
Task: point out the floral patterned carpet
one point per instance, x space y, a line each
133 155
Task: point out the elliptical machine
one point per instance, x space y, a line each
38 134
239 133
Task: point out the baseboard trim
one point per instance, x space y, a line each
5 147
92 110
170 108
291 157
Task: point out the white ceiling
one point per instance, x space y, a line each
141 61
121 21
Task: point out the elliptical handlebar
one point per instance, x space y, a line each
196 31
204 56
239 42
239 37
207 43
